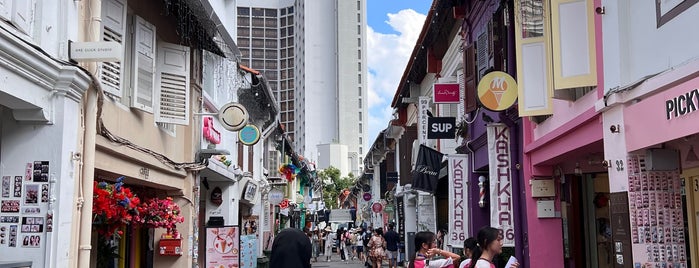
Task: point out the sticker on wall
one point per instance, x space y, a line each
28 172
44 193
31 195
9 206
41 171
6 184
31 241
12 241
49 222
9 219
32 210
18 186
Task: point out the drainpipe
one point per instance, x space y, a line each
91 30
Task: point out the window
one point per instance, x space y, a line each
359 17
360 150
243 21
360 103
360 140
359 67
243 11
359 5
258 12
360 117
360 127
359 42
359 78
359 29
359 54
360 91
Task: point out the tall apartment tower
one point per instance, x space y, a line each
314 54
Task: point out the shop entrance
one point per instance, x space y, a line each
586 224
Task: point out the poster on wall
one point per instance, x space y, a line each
9 206
9 219
18 186
31 196
222 246
41 171
31 241
6 184
44 193
499 162
248 251
28 170
13 236
250 225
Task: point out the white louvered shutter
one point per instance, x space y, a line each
110 74
22 14
6 9
144 65
172 84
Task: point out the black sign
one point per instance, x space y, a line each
621 231
400 211
441 127
391 176
427 166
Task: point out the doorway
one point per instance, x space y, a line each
586 225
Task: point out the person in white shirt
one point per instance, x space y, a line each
329 241
489 244
426 247
470 245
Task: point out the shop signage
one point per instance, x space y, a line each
222 248
621 231
95 51
377 207
458 196
422 107
497 91
275 196
367 196
400 212
441 127
446 93
211 135
250 191
392 176
501 212
249 135
233 116
340 216
682 104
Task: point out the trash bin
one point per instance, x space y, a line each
262 262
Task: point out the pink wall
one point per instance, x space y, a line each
646 122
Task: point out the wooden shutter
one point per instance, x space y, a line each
172 104
144 65
6 9
22 14
110 74
534 75
469 79
573 35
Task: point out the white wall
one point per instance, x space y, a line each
22 144
334 155
634 47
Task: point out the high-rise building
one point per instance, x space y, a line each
314 55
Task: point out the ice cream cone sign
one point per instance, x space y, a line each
497 91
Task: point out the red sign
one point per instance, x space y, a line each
377 207
367 196
446 93
210 133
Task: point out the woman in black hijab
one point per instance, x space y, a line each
291 248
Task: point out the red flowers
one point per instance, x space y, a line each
115 206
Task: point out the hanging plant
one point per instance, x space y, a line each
160 213
113 207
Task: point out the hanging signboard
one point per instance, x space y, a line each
95 51
441 127
422 107
249 135
446 93
222 248
458 200
497 91
501 211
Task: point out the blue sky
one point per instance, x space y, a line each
393 28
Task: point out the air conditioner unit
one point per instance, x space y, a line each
662 160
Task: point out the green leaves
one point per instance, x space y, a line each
333 185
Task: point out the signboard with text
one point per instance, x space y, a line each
222 246
501 212
446 93
441 127
458 200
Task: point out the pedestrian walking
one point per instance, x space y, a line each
359 244
470 245
291 249
376 246
315 242
329 242
489 244
427 251
392 238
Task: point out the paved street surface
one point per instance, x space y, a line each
336 262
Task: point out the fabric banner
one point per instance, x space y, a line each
499 161
458 200
423 107
426 172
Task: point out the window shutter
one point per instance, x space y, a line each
535 81
113 29
6 9
22 13
172 84
144 65
573 32
469 79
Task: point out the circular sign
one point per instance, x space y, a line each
276 196
377 207
284 204
249 135
233 116
367 196
497 91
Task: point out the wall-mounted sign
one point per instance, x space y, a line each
249 135
95 51
377 207
497 91
233 116
367 196
502 208
682 104
210 133
275 196
250 191
446 93
441 127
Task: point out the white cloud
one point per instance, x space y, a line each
387 58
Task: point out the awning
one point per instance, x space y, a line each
427 166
